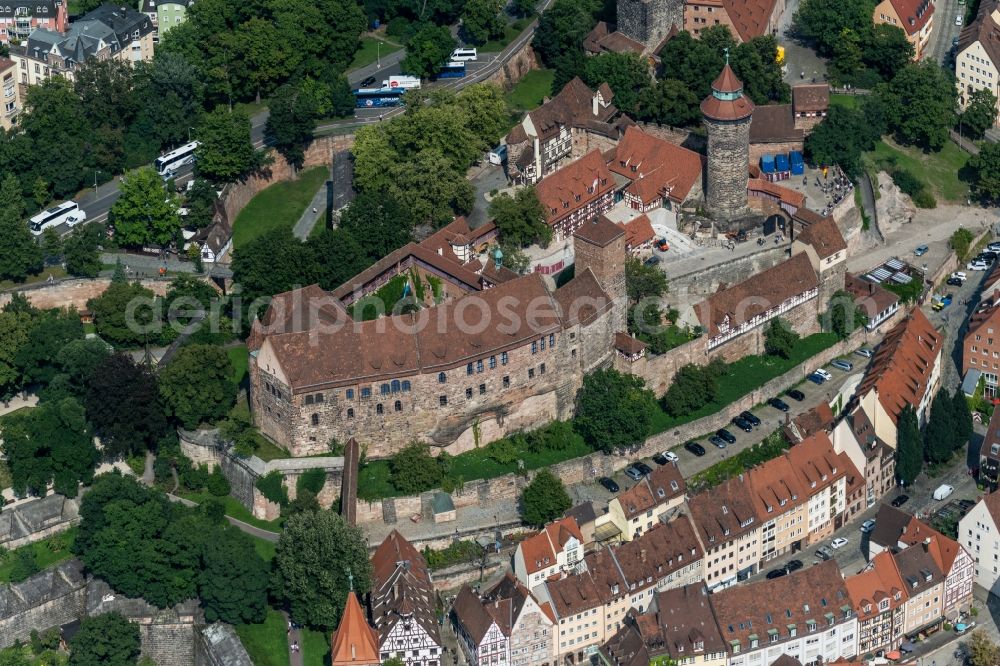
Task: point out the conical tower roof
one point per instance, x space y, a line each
354 641
727 101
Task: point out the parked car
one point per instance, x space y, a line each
776 573
717 441
778 404
695 448
943 491
665 457
816 379
609 484
793 565
941 302
652 260
993 247
954 282
900 501
633 473
643 467
824 553
368 82
864 351
742 424
958 20
989 256
796 394
841 364
749 416
838 543
960 275
824 374
868 525
726 435
977 265
920 251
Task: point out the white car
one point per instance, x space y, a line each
977 266
839 542
868 525
670 456
993 247
959 274
824 374
958 20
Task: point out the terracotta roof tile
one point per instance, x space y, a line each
354 642
572 106
638 231
881 581
774 123
871 297
816 464
916 565
983 30
472 614
775 488
573 594
824 237
811 97
600 231
685 617
582 299
664 484
749 17
757 294
724 513
913 14
401 588
658 552
539 551
574 186
657 168
727 81
785 194
626 344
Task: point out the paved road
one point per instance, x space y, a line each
939 43
257 532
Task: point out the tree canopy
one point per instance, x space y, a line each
979 114
105 640
613 411
428 50
910 446
920 105
483 20
779 338
226 151
145 213
544 499
197 385
20 255
841 138
123 405
559 37
986 172
521 219
626 73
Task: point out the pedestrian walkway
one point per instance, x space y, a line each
314 212
17 403
294 642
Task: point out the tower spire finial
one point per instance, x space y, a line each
350 579
726 51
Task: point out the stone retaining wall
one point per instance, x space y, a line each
74 291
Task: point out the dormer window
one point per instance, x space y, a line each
783 502
660 492
770 508
725 532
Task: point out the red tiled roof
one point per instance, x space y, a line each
871 297
775 488
749 17
757 294
638 231
913 14
657 168
600 231
539 551
401 587
811 97
902 365
724 513
354 642
663 485
727 81
880 582
774 123
824 237
572 106
574 186
785 194
626 344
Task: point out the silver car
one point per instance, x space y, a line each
841 364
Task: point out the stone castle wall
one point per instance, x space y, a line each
759 149
649 21
512 71
728 156
74 292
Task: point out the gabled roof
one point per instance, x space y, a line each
354 642
775 488
600 231
816 464
573 106
757 294
724 513
786 195
574 186
810 422
638 231
657 552
573 594
870 297
401 588
918 569
811 97
774 123
657 168
879 582
749 17
539 551
824 237
902 365
473 615
660 487
685 617
889 525
913 14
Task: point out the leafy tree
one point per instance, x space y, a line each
613 411
55 131
197 386
626 73
642 281
234 581
188 293
544 499
523 8
81 251
779 338
986 171
428 50
484 114
226 153
982 651
268 265
559 38
521 218
105 640
939 436
14 327
49 331
126 314
336 256
823 21
316 554
414 469
843 316
483 20
886 49
379 222
920 104
123 405
693 387
200 202
20 255
669 102
145 213
910 446
173 93
291 122
50 444
76 362
961 417
755 63
436 190
51 245
960 240
979 115
841 138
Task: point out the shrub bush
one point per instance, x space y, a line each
270 486
907 182
195 478
218 484
924 199
311 480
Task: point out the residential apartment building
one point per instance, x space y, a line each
483 629
587 608
165 14
878 304
532 627
879 597
981 345
745 19
576 193
823 475
806 615
639 508
403 604
655 173
109 31
854 435
639 235
20 17
558 548
726 523
977 56
979 532
924 580
780 502
914 17
906 370
11 93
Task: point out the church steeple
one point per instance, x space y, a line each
354 642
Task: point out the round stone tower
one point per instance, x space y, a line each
727 118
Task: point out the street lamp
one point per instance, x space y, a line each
189 134
378 54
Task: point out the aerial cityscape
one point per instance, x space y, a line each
500 333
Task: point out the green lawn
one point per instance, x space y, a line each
849 101
747 374
48 552
234 510
531 90
266 643
510 34
370 51
55 271
315 648
238 357
264 548
940 171
278 207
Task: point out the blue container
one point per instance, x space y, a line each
795 156
767 163
798 168
781 162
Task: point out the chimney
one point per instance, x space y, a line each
871 287
642 554
594 104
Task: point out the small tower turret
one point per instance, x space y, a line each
727 114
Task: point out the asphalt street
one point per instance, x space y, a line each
945 30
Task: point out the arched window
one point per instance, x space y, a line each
395 386
384 389
406 386
442 378
350 413
398 406
315 419
378 408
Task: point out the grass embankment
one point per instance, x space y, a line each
535 86
510 33
233 509
267 642
938 171
278 207
371 50
47 553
